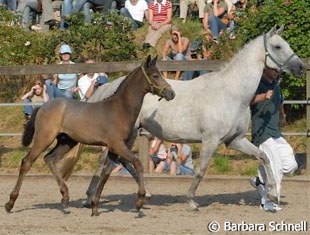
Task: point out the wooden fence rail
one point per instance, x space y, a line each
127 66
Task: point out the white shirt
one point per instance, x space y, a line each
84 83
137 11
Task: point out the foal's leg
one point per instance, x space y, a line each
26 164
245 146
125 153
207 150
63 146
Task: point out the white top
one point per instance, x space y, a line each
137 11
84 83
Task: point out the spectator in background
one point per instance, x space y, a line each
29 8
180 159
267 116
89 82
158 155
64 85
215 12
87 5
175 48
159 17
198 50
135 10
66 9
37 94
184 8
9 4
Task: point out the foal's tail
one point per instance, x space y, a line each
29 129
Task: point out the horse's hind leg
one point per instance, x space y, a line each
98 184
207 150
63 146
26 164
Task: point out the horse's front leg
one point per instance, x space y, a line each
207 150
123 151
245 146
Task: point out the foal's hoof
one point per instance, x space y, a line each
95 213
139 204
8 207
65 203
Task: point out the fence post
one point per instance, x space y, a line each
144 150
308 121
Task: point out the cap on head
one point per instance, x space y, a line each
65 49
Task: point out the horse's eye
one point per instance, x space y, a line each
277 47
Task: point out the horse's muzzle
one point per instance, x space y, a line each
168 94
297 68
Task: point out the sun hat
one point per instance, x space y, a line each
65 49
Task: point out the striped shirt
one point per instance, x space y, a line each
160 10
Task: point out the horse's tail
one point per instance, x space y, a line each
29 129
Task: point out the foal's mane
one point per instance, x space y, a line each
109 90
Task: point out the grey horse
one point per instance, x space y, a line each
213 108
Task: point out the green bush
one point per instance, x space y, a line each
294 15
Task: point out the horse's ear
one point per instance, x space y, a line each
272 31
280 30
153 62
148 61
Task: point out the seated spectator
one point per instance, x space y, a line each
64 85
9 4
175 48
66 9
135 10
159 17
215 12
89 82
37 94
30 8
158 155
87 5
184 8
197 51
180 159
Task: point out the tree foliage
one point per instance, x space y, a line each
294 15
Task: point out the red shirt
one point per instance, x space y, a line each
160 10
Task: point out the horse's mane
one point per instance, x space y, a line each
240 54
108 90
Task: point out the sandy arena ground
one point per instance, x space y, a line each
221 199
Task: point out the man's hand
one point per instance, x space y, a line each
268 94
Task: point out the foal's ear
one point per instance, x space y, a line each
148 60
153 62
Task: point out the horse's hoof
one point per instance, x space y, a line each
65 203
8 207
139 204
192 206
95 213
148 195
87 204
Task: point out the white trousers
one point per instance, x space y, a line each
282 162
